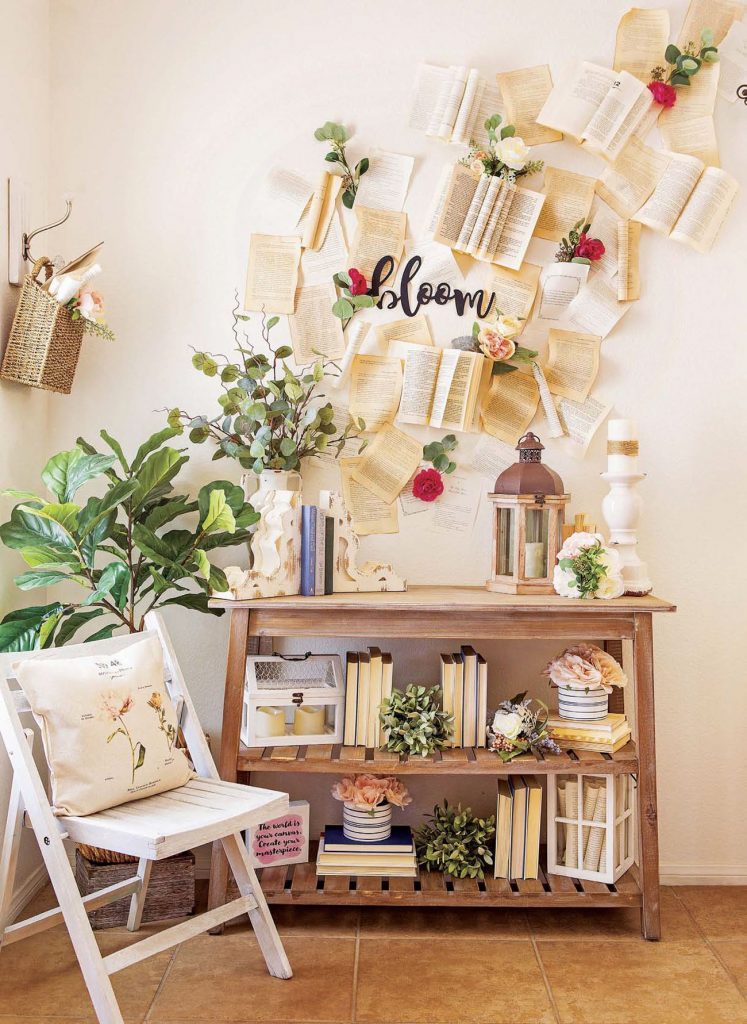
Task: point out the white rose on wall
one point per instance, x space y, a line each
513 151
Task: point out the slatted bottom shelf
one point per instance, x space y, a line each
458 761
299 883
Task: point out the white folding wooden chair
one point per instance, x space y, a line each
155 827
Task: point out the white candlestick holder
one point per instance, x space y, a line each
621 508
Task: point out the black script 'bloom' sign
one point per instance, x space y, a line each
480 304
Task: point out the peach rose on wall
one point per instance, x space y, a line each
494 345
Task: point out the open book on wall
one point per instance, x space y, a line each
452 103
600 107
690 203
487 217
441 387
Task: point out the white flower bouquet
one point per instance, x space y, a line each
587 568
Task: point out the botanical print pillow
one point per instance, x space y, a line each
108 726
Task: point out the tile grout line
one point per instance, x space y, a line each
709 945
161 983
356 961
546 980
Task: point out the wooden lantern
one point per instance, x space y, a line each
529 505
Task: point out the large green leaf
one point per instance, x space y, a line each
101 634
72 623
234 496
10 492
19 630
203 562
41 555
153 547
153 443
218 581
155 475
26 529
196 602
35 578
166 511
66 472
224 540
219 516
97 509
114 580
116 447
103 528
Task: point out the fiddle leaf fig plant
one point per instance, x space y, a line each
414 722
270 416
125 549
455 842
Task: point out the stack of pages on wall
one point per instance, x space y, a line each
317 551
339 855
605 735
517 827
368 682
453 103
464 689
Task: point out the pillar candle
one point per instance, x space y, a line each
534 560
619 432
308 721
270 721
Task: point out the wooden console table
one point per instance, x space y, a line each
469 614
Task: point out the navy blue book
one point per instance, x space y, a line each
400 841
308 550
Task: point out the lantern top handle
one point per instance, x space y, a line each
529 440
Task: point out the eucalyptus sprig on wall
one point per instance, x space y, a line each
270 417
114 546
336 135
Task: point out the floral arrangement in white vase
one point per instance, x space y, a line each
366 792
587 568
584 675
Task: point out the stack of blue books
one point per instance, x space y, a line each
317 551
394 856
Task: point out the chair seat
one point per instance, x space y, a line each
169 823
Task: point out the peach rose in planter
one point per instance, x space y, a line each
494 345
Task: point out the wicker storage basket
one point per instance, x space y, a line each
98 855
171 892
44 342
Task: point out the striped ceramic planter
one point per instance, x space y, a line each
582 705
366 826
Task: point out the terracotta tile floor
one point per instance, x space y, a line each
417 967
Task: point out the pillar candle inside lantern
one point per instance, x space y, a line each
308 720
270 721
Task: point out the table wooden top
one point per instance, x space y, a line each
440 599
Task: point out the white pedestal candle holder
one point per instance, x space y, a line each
621 506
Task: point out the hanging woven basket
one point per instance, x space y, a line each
44 342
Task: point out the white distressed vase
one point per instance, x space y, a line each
582 705
367 826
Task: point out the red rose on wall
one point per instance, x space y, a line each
591 248
358 284
664 94
427 485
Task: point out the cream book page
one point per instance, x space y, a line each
706 209
369 513
604 222
572 363
517 232
448 103
282 199
318 266
475 208
494 200
421 364
428 84
667 201
568 199
385 183
320 211
388 463
473 88
510 406
560 283
581 420
626 103
413 329
457 389
524 94
314 329
575 100
732 60
717 15
596 309
375 389
272 274
514 290
457 199
642 38
456 509
379 233
437 265
496 222
627 184
356 336
688 126
628 248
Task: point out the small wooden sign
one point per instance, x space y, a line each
283 840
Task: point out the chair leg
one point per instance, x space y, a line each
9 854
260 918
137 902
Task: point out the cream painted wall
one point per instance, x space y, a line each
24 155
173 112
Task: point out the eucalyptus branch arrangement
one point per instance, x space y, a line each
507 155
455 842
681 67
114 547
337 137
270 417
414 722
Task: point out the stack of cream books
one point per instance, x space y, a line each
605 735
368 682
392 857
517 827
464 689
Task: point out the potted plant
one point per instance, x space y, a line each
456 842
367 805
126 549
584 676
414 722
271 418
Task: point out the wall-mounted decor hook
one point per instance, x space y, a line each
26 238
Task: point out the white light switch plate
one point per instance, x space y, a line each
18 208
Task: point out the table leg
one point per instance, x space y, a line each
233 699
648 832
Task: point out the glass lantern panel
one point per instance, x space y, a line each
505 541
536 543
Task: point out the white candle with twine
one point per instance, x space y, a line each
622 446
